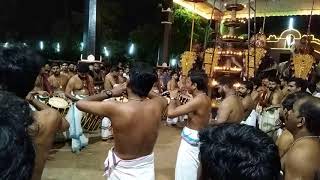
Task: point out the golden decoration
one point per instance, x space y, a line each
302 65
187 60
210 63
260 53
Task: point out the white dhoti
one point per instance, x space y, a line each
106 129
188 156
252 119
79 140
136 169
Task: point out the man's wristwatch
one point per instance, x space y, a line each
108 93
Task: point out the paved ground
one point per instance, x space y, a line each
88 164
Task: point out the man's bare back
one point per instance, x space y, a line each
135 123
230 110
137 127
47 122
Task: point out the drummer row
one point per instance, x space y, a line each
54 79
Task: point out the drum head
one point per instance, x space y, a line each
58 103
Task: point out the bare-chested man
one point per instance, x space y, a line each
111 78
244 91
64 69
98 75
135 125
42 83
274 94
121 78
231 109
285 139
57 81
81 84
198 111
302 159
72 69
47 121
173 83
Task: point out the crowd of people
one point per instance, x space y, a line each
264 128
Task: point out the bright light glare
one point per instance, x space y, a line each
6 45
58 47
106 52
291 23
131 49
81 46
41 45
173 62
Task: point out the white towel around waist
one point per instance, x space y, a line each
190 136
135 169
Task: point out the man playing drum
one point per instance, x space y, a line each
111 78
198 110
135 124
57 81
78 87
19 64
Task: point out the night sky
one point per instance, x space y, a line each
34 19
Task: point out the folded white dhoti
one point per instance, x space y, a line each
79 140
187 159
252 119
136 169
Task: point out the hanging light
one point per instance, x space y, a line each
58 47
81 46
6 45
106 52
41 44
131 49
173 62
291 23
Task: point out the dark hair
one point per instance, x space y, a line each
54 64
300 83
142 78
172 73
274 79
199 78
17 155
19 68
227 81
234 151
290 99
83 68
310 110
248 85
114 69
255 81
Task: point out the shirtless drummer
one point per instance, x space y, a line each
78 87
198 111
57 81
135 125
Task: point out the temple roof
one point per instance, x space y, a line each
264 8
